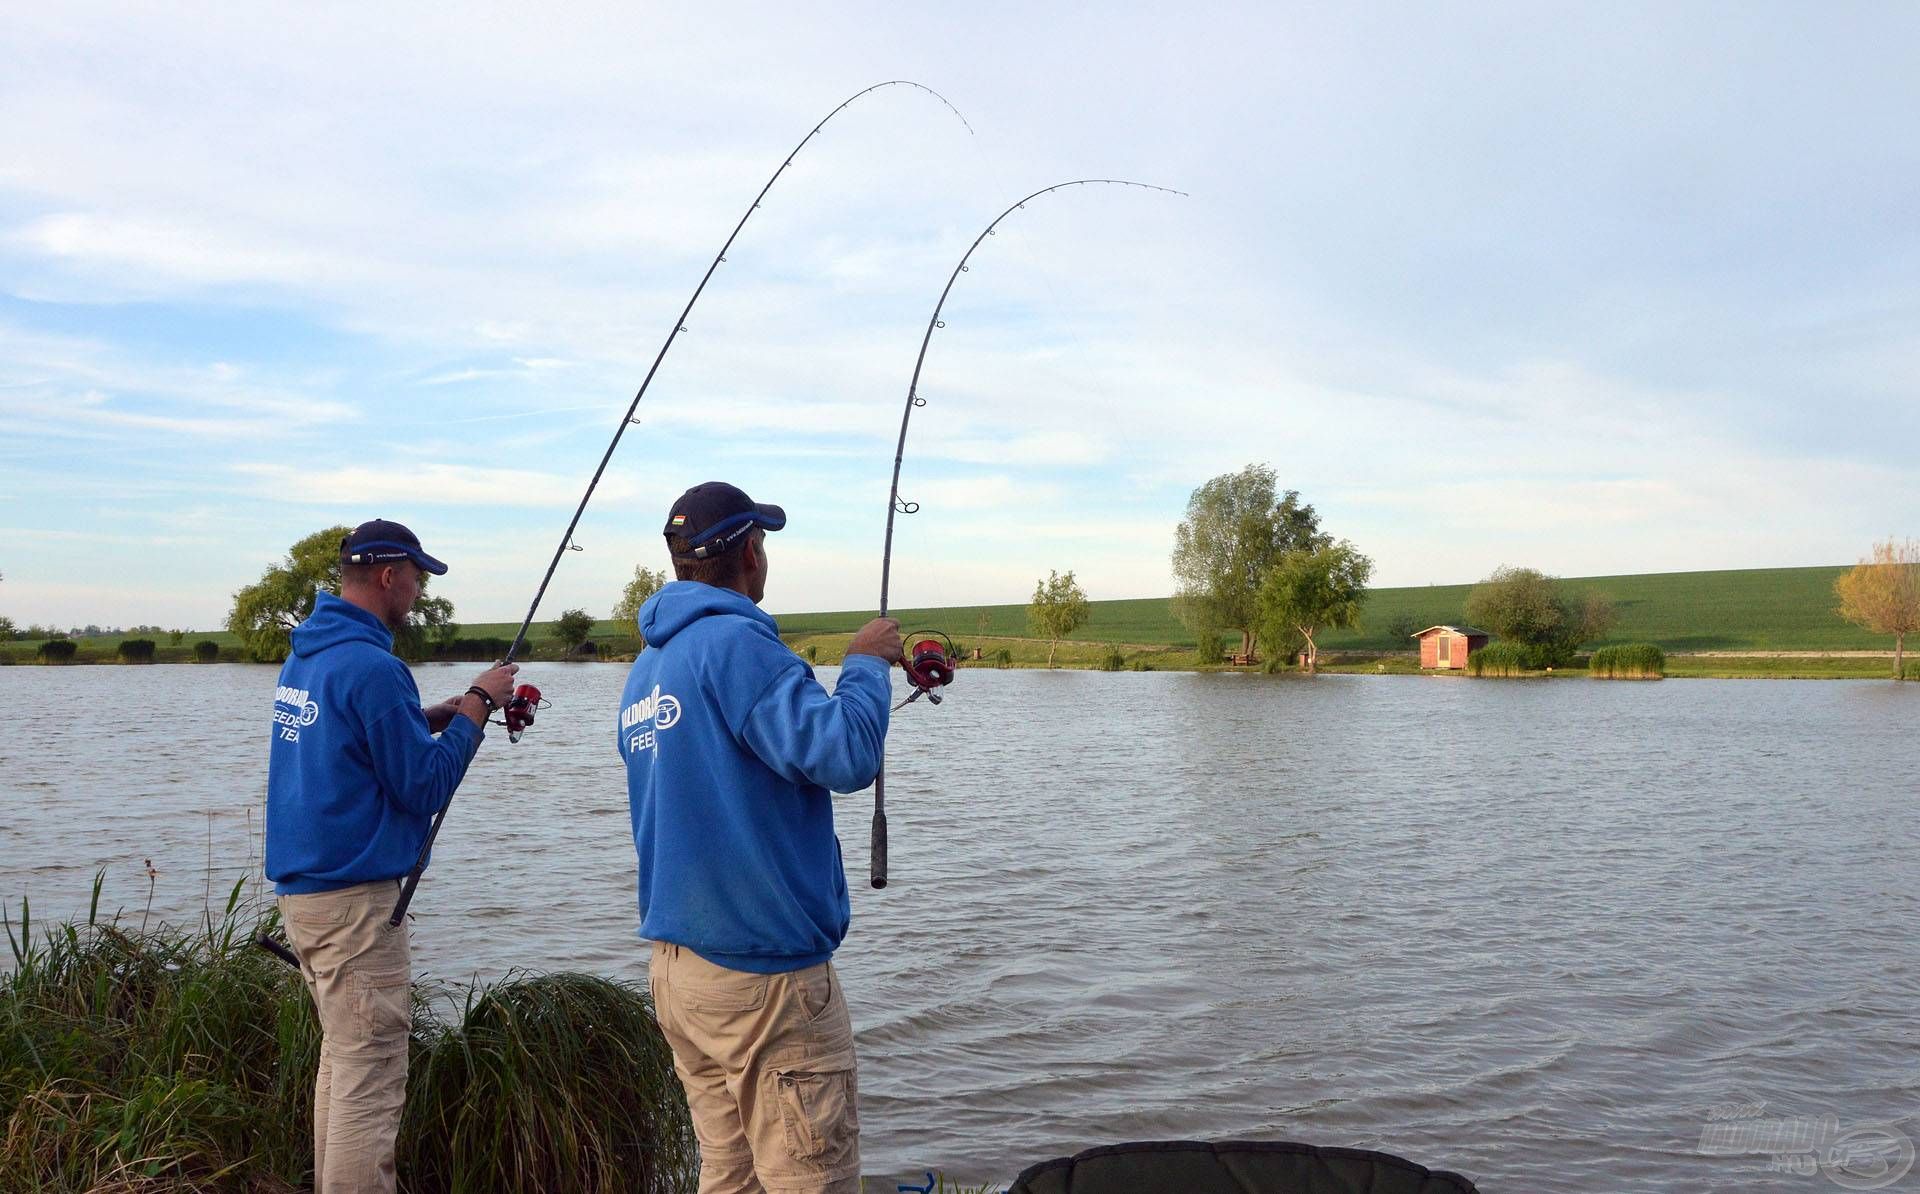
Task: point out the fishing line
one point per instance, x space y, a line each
877 855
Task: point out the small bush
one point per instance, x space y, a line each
206 651
1140 665
812 652
1633 661
572 628
1113 660
1003 658
58 650
136 650
1212 648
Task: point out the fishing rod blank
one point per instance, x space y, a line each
627 420
877 855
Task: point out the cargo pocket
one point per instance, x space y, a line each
819 1109
383 1005
314 913
747 997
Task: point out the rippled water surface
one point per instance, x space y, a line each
1534 932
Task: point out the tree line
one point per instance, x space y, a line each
1248 557
265 612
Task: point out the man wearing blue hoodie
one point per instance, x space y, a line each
732 750
354 778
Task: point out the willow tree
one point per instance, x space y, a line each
1237 529
1311 591
645 583
1882 594
265 612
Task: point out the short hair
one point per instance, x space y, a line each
362 575
723 571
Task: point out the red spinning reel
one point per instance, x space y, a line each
520 709
929 665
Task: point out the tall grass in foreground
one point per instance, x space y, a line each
184 1060
1631 661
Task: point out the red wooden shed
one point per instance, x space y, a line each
1447 647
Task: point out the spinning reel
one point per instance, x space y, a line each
929 665
519 711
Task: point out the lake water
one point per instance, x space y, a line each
1542 933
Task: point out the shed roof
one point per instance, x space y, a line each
1466 630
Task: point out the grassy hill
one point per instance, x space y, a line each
1756 609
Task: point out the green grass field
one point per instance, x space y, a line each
1760 609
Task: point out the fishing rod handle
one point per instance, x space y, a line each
407 888
877 857
278 950
411 883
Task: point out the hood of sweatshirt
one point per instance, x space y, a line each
683 602
335 621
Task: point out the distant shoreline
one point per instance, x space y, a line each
1772 622
1030 655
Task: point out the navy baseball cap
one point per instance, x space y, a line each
714 517
384 542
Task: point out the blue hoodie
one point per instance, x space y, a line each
731 746
354 776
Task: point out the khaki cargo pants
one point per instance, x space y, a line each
359 972
767 1062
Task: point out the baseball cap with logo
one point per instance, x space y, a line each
714 517
384 542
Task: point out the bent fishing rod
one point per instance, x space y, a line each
412 880
927 665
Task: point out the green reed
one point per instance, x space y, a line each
1629 661
1501 659
184 1060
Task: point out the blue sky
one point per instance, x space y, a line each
1595 289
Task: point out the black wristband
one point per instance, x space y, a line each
485 698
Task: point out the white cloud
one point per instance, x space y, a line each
428 484
1594 310
168 251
